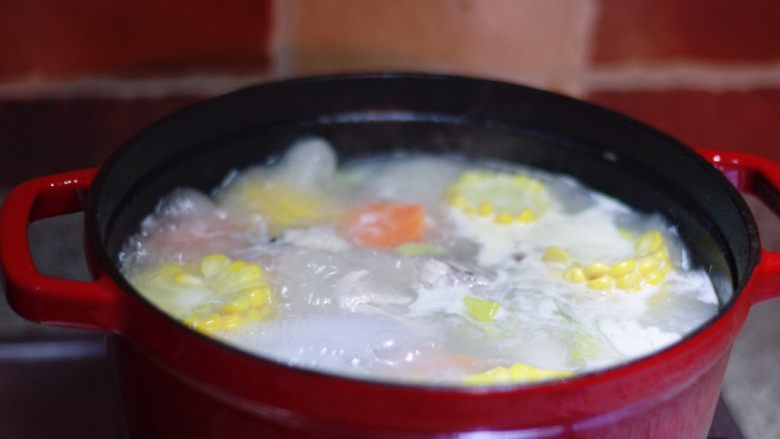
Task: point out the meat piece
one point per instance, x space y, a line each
436 271
344 279
187 225
317 238
357 288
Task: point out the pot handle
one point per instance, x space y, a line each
760 177
41 298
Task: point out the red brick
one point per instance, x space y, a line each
54 135
723 31
505 39
745 121
73 38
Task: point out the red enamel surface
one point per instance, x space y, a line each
177 383
760 177
161 402
41 298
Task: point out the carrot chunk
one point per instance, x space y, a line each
384 224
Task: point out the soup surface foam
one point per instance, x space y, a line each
419 268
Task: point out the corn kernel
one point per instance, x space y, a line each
213 264
485 209
234 266
483 193
249 272
628 281
169 270
253 315
231 322
622 268
236 306
209 325
596 269
281 205
655 277
187 280
257 296
647 264
649 243
555 254
525 216
190 320
661 254
600 283
503 219
459 201
574 275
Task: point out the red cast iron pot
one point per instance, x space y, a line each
177 383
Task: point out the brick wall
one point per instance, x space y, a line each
78 77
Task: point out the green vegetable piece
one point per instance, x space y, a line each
419 249
584 347
481 310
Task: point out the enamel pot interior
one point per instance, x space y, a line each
366 115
